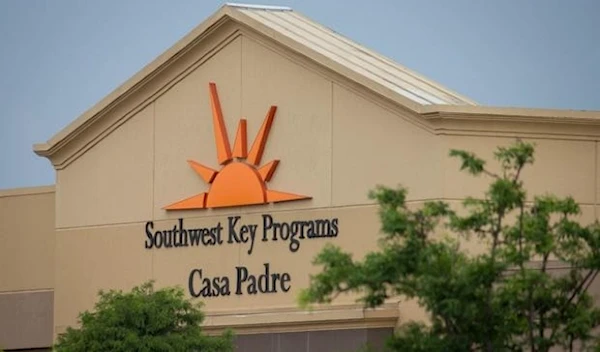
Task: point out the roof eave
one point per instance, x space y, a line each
432 112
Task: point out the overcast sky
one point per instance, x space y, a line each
60 57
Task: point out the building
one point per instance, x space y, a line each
257 123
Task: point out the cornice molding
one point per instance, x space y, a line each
334 317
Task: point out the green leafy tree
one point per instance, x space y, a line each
504 298
144 319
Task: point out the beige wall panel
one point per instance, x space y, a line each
112 182
358 233
372 146
588 215
26 319
561 167
172 266
301 133
597 193
96 258
27 241
475 245
184 127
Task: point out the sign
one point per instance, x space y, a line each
235 231
241 181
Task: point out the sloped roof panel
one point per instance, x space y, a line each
353 56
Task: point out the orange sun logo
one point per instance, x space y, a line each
240 181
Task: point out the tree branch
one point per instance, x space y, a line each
518 173
587 285
581 284
491 174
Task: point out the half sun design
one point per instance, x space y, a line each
240 181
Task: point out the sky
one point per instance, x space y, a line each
59 58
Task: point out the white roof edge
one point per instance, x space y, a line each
259 7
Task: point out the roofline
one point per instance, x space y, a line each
24 191
130 85
479 112
407 70
228 11
258 7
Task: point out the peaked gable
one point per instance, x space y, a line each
288 29
435 108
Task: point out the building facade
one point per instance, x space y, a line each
226 164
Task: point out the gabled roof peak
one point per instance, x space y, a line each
258 7
290 29
313 41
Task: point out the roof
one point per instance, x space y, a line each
320 44
352 55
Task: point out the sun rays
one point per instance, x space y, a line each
241 181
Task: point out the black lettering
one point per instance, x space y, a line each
242 275
243 231
263 280
294 244
195 236
233 236
285 231
224 290
191 282
158 239
285 279
252 285
182 234
267 224
175 233
168 234
216 286
217 230
276 229
274 278
302 224
323 227
149 242
207 239
206 291
311 229
334 227
252 229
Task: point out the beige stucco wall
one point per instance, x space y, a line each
563 167
335 143
112 183
27 239
26 267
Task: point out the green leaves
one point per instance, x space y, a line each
470 161
142 320
507 297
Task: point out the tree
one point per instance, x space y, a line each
505 298
142 320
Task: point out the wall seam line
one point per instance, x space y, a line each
331 101
270 211
153 178
241 115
